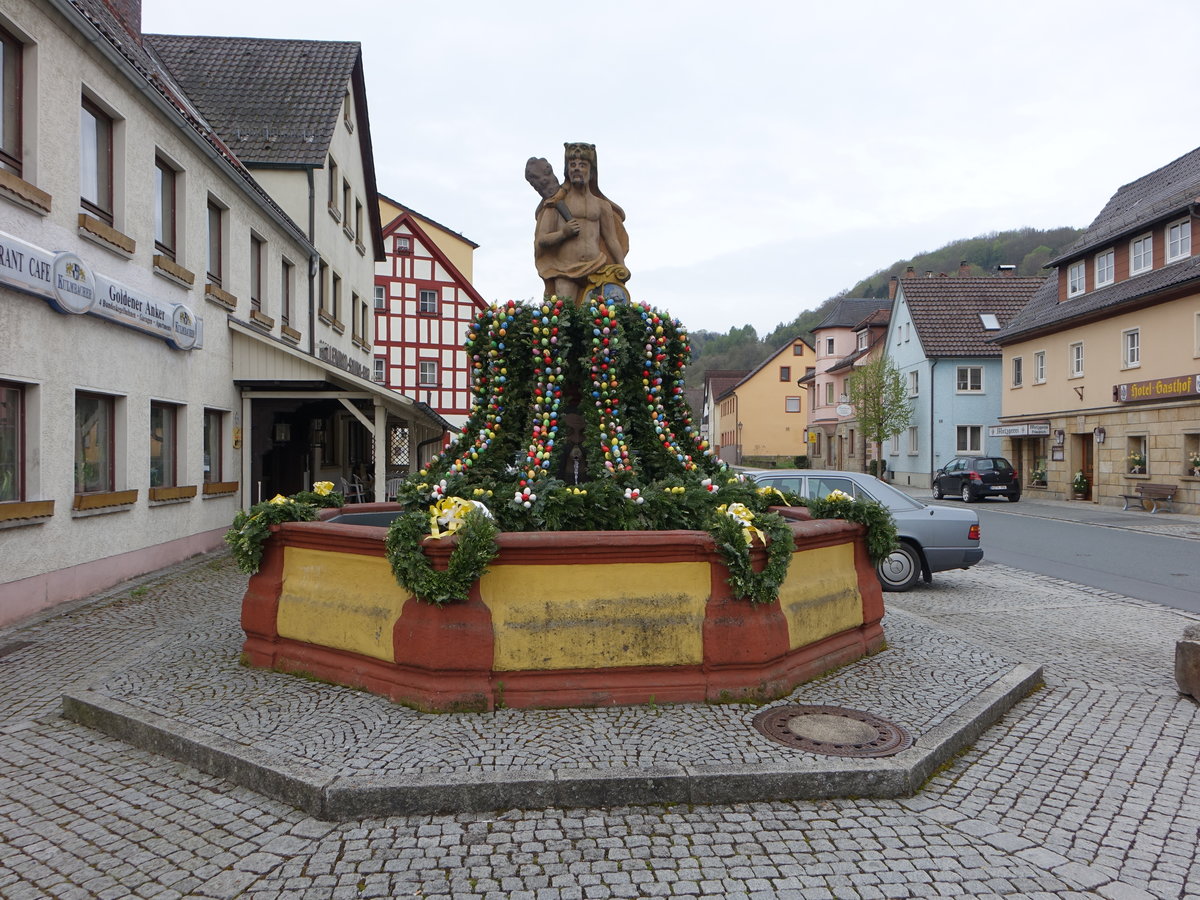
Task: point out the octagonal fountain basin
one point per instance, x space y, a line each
560 619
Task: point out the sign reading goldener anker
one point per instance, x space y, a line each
1157 389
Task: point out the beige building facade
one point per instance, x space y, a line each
764 415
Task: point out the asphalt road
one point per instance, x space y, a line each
1153 567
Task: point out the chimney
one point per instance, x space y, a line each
1007 271
129 14
964 269
910 272
893 285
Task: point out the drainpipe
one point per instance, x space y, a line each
932 394
312 265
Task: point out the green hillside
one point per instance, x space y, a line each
1029 249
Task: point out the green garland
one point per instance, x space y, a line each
881 528
475 547
252 527
757 587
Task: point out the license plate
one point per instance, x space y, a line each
999 487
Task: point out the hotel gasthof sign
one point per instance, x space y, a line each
1158 389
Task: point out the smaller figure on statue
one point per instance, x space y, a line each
580 241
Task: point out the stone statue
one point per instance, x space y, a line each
579 241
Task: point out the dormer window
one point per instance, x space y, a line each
1104 268
1179 240
989 321
1076 279
862 340
1141 254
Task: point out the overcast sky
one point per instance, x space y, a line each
767 154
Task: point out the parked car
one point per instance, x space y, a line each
976 477
932 538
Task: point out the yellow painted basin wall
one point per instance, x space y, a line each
820 595
597 616
340 600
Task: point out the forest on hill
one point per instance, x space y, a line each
1029 249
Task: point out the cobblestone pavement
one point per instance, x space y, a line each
1086 789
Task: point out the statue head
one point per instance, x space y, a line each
579 164
540 174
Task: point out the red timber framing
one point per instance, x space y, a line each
427 305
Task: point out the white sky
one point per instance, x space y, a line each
767 154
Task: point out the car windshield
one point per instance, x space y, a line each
890 496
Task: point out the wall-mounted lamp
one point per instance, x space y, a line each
1059 437
1100 434
282 432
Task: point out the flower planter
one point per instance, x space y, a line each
561 618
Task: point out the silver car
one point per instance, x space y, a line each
932 538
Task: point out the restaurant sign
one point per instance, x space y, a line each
69 285
1157 389
1022 429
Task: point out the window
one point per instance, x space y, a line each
1179 240
797 349
346 111
95 161
1141 254
216 261
1018 375
970 438
287 278
851 442
336 297
791 404
914 382
380 297
164 208
1137 460
333 189
427 372
970 379
380 370
358 228
1104 268
829 346
323 287
862 340
785 373
213 443
1131 348
989 321
913 443
427 302
404 246
365 318
256 258
10 115
346 201
1076 279
829 393
163 430
12 440
94 415
907 330
1075 354
1039 367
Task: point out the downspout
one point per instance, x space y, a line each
312 265
932 395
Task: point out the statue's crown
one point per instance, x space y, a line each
581 151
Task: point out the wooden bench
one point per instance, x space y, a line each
1155 493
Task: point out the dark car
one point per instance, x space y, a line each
932 538
976 477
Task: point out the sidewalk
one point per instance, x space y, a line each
1084 789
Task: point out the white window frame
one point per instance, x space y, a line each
968 446
1141 254
380 296
1039 367
424 366
914 382
829 393
829 346
1131 348
1105 267
791 404
1179 240
914 440
1018 371
862 340
958 380
425 297
380 370
1076 278
1075 359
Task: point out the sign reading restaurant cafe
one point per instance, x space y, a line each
69 285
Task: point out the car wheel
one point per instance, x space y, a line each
900 569
937 490
966 494
1013 498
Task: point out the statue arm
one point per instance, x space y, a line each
608 231
547 234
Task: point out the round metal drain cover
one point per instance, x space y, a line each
832 731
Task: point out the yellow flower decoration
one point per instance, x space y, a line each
767 491
838 496
741 514
323 488
447 516
280 499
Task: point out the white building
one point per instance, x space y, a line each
151 292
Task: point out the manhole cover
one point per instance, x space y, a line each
832 730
